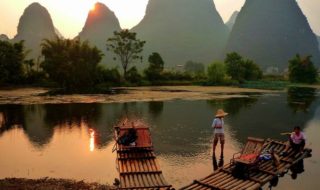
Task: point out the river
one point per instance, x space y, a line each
75 140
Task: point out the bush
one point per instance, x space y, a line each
133 76
175 76
217 73
109 76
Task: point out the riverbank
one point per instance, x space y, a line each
126 94
49 184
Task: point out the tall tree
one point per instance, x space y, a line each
156 66
234 66
127 48
71 63
302 70
12 56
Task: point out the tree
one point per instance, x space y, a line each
12 57
126 47
217 73
241 69
155 69
72 64
251 70
234 66
302 70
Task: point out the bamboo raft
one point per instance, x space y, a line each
222 179
137 165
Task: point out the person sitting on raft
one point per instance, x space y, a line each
297 141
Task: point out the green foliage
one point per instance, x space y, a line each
217 73
111 77
235 67
240 69
155 69
176 76
72 64
302 70
194 67
133 76
126 47
251 70
11 62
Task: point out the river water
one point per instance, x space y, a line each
75 140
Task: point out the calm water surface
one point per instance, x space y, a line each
75 140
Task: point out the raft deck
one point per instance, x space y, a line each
222 179
137 166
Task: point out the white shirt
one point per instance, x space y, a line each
297 139
217 125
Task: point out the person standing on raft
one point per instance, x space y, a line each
218 130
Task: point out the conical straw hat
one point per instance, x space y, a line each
221 113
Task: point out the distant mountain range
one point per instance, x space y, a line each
100 25
35 25
182 30
269 32
232 20
272 32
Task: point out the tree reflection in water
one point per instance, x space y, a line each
155 108
300 98
181 130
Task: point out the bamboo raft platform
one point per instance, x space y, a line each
137 165
222 179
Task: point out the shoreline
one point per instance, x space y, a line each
49 183
128 94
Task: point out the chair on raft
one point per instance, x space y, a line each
142 139
248 158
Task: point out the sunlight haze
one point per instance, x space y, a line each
69 16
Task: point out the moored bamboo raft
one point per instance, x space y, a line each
137 165
223 178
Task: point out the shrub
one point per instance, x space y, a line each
217 73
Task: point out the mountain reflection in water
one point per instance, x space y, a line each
75 140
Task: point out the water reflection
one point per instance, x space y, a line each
217 164
92 140
72 133
156 108
297 169
301 98
234 105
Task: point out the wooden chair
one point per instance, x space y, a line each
142 131
249 157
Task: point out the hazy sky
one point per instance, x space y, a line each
69 15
